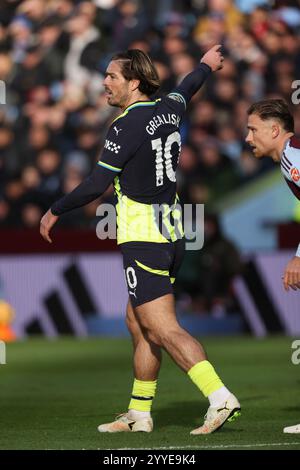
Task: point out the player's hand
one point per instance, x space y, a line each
291 276
47 222
213 58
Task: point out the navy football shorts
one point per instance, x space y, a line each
151 268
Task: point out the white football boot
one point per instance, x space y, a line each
123 423
216 417
292 429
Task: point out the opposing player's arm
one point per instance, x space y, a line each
291 276
210 62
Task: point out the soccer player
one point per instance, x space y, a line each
140 157
271 133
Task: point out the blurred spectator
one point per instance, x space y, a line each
82 33
128 22
31 215
20 30
206 274
52 58
247 6
230 145
221 18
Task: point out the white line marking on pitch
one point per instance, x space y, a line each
221 446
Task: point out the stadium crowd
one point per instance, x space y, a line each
53 55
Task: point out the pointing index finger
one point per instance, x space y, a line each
217 47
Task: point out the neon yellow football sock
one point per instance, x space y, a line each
205 377
142 396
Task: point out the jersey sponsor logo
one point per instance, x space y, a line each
164 157
295 174
109 145
117 130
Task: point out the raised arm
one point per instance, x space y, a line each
210 62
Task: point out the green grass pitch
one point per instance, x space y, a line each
53 395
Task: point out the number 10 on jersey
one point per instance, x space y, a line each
164 157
